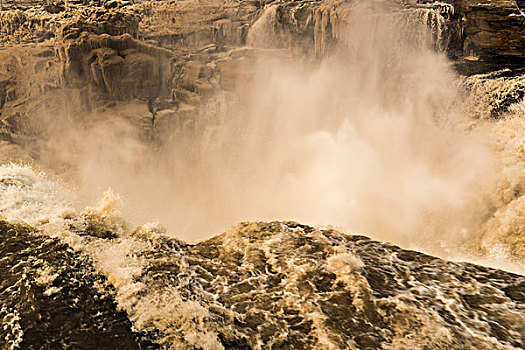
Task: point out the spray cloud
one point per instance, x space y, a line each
369 138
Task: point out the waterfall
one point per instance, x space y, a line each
431 25
262 33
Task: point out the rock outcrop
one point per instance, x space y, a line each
118 66
492 30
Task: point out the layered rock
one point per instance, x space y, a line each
28 26
28 84
185 26
174 56
492 29
119 66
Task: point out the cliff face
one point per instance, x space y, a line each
492 29
173 57
165 59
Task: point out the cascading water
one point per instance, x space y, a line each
372 138
432 22
263 32
293 284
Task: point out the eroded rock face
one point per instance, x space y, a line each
119 66
176 56
492 29
98 48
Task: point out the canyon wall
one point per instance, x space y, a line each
169 59
492 29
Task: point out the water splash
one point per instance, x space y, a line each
28 198
116 251
183 296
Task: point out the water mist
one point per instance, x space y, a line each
368 138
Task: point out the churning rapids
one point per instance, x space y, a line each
379 137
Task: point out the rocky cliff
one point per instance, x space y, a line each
492 29
163 58
170 58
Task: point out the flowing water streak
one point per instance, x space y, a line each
432 26
263 32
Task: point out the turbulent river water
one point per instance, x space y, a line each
380 138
